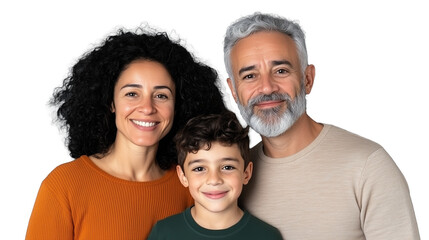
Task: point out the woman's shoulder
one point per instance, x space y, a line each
68 172
69 167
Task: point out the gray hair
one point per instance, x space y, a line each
258 22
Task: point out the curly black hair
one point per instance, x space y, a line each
85 97
201 131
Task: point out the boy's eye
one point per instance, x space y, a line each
198 169
228 168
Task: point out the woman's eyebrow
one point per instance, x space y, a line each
134 85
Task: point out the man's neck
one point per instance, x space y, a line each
296 138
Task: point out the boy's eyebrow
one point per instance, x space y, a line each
230 159
195 161
203 160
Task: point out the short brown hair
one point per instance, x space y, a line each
201 131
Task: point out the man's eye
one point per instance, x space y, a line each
249 76
282 71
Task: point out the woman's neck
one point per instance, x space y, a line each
130 162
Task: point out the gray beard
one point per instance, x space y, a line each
274 121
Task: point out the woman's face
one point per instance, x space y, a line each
143 102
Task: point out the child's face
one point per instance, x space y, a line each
215 177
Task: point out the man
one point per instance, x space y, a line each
311 180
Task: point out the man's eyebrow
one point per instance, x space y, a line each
244 69
273 63
280 62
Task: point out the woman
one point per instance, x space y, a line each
121 105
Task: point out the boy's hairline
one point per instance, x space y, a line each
225 144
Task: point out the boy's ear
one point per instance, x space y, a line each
182 176
248 173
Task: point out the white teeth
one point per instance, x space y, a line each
144 124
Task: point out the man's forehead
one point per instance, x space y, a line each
268 46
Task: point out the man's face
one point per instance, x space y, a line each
269 84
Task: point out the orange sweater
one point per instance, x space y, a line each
80 201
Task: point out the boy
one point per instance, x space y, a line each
213 157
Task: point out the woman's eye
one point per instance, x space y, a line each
161 96
131 94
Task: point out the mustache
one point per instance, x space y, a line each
271 97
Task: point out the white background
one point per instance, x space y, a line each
371 61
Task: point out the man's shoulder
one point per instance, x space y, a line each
340 136
332 139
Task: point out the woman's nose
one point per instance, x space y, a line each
146 106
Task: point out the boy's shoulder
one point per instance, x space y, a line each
258 229
173 220
170 227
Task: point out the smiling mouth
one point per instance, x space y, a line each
215 195
268 104
144 124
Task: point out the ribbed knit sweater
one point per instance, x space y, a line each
78 200
341 187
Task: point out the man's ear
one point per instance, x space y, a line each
182 176
310 73
248 173
231 88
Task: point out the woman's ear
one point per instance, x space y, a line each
248 173
112 107
182 176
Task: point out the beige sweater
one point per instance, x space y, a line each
340 187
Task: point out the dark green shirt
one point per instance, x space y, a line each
183 226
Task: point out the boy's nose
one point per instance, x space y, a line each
214 178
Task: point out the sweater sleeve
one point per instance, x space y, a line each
50 219
386 208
